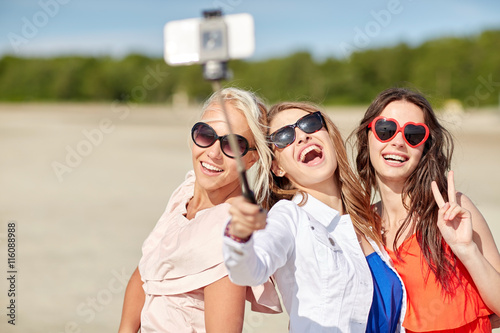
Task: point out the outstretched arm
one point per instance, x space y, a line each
132 305
465 230
224 306
252 261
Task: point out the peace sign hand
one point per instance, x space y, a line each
454 221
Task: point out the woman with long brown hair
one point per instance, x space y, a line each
439 241
319 239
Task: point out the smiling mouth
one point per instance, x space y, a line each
310 154
210 167
395 158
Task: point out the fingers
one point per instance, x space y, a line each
456 211
441 221
246 218
453 211
437 195
452 195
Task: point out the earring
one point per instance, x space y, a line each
279 173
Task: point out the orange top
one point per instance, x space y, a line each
428 307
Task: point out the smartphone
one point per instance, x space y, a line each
198 40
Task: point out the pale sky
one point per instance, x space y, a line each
325 28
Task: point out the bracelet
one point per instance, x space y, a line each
235 238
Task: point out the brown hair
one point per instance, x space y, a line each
422 208
354 199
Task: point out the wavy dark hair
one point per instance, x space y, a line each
433 166
356 202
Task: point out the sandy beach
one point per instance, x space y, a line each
82 185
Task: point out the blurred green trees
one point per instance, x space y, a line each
466 69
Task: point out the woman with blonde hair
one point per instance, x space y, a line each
181 283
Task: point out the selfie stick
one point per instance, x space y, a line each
245 188
214 46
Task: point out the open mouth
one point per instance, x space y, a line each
395 158
210 167
311 154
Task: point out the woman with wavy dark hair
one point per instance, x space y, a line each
319 239
450 266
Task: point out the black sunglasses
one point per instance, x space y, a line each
204 136
285 136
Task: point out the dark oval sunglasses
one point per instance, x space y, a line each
204 136
385 129
285 136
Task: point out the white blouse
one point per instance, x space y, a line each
317 262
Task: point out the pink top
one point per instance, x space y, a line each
182 256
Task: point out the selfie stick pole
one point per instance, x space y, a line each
215 55
245 188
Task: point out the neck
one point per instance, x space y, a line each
329 194
203 199
391 209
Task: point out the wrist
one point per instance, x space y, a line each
227 233
466 252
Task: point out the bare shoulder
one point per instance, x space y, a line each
483 236
464 201
478 220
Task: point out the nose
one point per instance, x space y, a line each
398 140
301 136
214 151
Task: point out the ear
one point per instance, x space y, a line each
277 170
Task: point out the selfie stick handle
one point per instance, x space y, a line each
245 188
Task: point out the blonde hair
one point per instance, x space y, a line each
255 111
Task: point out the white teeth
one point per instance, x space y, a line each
395 157
210 167
307 150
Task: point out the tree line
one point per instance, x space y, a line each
466 69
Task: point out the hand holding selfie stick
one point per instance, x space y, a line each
212 41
